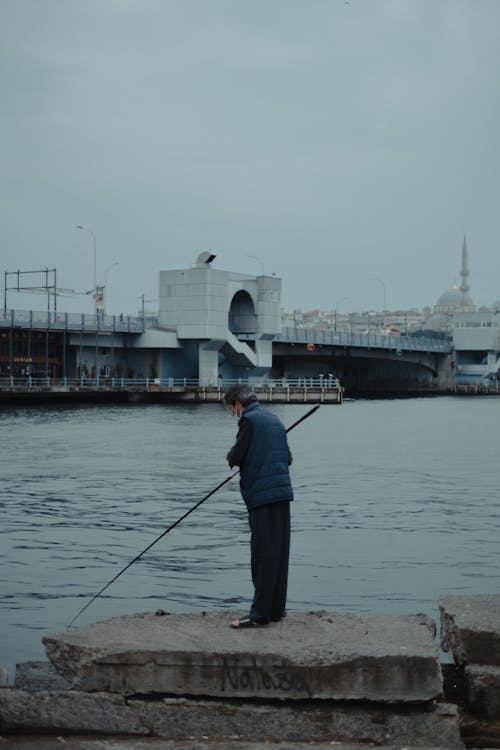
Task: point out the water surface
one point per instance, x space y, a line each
396 504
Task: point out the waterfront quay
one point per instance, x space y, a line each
183 390
170 390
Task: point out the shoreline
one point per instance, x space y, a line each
268 394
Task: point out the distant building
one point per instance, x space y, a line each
371 321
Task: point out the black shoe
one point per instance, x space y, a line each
277 618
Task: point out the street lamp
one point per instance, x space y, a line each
100 291
336 305
86 229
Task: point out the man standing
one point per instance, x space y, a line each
262 453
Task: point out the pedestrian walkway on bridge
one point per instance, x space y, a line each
135 325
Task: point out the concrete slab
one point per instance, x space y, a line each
313 721
38 675
483 690
182 719
66 711
42 742
307 655
479 732
470 628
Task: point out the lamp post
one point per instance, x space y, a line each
144 300
100 291
86 229
336 306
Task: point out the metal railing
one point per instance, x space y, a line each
365 340
129 324
27 383
71 321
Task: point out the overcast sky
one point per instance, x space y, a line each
348 145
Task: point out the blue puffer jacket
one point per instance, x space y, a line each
265 477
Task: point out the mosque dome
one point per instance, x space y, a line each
454 299
450 300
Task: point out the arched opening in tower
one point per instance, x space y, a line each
242 316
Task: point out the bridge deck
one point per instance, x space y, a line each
309 337
394 342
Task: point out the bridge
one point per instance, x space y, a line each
365 362
109 324
212 326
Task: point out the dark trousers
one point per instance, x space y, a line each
270 549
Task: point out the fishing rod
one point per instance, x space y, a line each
176 523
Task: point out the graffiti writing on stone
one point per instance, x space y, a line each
277 678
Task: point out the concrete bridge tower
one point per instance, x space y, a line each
211 311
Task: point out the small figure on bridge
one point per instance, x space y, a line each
261 451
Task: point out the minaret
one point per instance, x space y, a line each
464 273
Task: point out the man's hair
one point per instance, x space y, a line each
242 393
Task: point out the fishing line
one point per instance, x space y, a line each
176 523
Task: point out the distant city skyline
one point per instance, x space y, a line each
41 300
149 305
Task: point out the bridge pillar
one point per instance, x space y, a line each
223 312
208 364
445 371
264 351
208 367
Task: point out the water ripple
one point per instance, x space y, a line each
395 505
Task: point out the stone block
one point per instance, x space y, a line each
478 732
483 690
312 721
470 628
39 675
184 720
307 656
44 742
66 711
